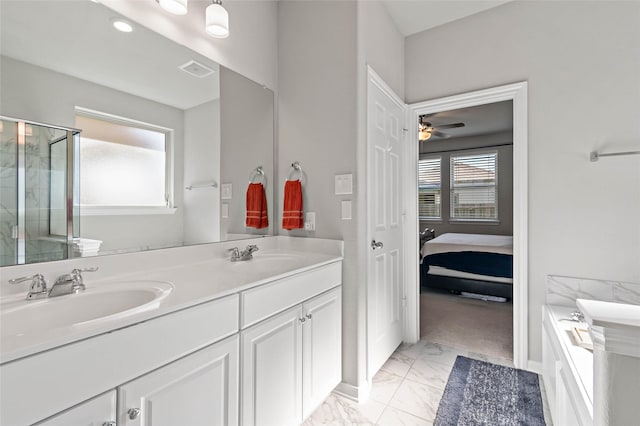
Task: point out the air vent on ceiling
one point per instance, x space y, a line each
196 69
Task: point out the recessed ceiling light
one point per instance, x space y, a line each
122 25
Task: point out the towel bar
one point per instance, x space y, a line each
201 185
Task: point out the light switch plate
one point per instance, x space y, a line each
310 221
346 210
226 191
225 210
344 184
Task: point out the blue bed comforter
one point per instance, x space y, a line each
483 263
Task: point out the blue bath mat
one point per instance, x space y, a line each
481 393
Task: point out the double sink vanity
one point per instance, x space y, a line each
176 336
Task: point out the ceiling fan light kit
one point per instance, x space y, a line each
426 129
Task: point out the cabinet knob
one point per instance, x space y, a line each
308 316
111 423
303 319
133 413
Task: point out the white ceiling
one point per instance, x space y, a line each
78 39
415 16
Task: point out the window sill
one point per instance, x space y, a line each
125 210
474 222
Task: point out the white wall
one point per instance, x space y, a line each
582 63
202 166
322 117
317 127
251 48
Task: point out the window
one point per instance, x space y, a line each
429 188
474 187
123 163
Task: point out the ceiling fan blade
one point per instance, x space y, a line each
449 126
440 134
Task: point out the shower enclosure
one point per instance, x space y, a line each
39 191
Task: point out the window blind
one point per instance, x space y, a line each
474 186
429 188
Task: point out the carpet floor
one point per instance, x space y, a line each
476 325
482 393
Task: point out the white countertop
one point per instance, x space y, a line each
193 283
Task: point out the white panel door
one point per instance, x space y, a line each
322 348
99 411
385 123
272 370
199 389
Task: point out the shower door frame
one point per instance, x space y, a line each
71 183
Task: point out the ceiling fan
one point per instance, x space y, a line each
426 129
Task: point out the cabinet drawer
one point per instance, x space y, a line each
261 302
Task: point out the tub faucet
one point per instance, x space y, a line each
240 255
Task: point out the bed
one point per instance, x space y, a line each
470 263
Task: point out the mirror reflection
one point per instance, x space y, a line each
166 142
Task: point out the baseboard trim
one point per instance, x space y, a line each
534 366
354 393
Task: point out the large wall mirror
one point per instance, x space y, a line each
146 145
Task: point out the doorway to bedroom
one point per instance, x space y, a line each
465 214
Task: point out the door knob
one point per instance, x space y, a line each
133 413
376 244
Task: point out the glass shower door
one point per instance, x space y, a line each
39 213
8 193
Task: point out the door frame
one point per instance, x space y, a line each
516 92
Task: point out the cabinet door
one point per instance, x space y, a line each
322 348
199 389
272 370
98 411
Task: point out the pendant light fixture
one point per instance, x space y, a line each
217 22
177 7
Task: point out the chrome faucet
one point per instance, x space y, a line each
240 255
65 284
70 283
38 287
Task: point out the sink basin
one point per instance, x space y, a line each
96 304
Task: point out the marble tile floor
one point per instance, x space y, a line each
406 390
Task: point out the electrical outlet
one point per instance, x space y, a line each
310 221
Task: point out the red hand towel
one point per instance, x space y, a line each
256 207
292 211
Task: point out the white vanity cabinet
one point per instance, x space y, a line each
199 389
322 349
272 370
98 411
292 361
266 354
